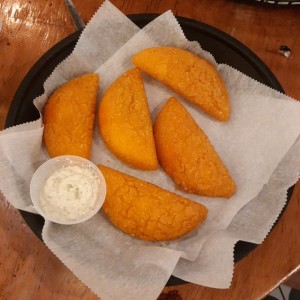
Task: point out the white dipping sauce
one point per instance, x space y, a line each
69 194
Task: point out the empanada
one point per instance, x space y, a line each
187 155
146 211
69 115
125 124
192 77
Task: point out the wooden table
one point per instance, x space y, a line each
28 269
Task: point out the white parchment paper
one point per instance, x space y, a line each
258 145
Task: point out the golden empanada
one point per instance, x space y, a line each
146 211
125 124
69 115
189 75
187 155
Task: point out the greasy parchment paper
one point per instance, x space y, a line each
258 145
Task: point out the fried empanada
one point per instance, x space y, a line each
192 77
69 115
146 211
187 155
125 124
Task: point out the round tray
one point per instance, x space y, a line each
224 48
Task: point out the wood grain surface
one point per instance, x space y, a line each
28 270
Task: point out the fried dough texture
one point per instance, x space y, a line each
146 211
125 124
69 115
190 76
187 156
